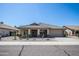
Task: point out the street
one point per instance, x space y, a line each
39 50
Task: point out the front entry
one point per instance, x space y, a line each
34 33
43 33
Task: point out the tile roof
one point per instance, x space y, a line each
41 25
7 27
73 27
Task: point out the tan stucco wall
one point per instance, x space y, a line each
52 32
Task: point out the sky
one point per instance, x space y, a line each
18 14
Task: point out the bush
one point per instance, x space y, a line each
78 35
49 36
38 36
65 34
48 39
29 35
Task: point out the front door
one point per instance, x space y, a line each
34 33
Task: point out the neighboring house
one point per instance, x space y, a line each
72 30
41 29
6 30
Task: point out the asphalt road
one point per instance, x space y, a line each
39 50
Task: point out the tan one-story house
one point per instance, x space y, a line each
41 30
72 30
6 30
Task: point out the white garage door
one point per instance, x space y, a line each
58 33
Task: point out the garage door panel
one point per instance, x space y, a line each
57 33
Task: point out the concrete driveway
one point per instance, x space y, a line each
39 50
